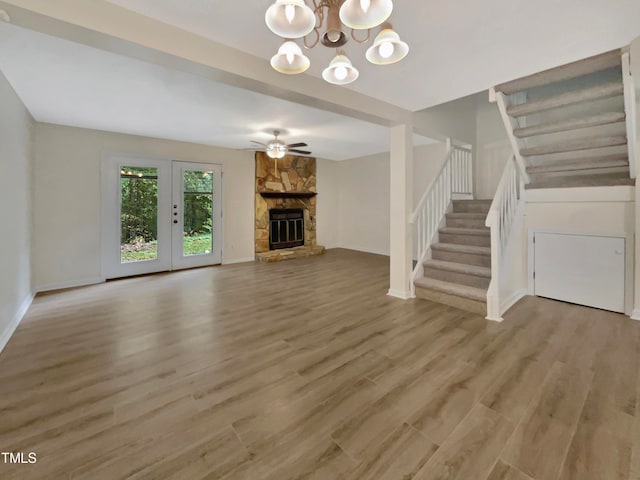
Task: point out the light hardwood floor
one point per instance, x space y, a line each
306 369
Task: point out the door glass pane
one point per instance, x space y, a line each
198 209
138 214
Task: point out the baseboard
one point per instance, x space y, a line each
511 301
17 318
238 260
492 319
635 315
399 294
364 249
62 285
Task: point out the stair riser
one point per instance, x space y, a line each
456 277
466 222
471 207
466 258
535 177
462 303
477 240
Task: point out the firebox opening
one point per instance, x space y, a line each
286 228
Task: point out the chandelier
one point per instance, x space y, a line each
324 23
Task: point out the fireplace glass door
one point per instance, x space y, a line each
286 228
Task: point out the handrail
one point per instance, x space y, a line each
504 209
510 125
454 177
630 110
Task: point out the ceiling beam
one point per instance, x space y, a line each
103 25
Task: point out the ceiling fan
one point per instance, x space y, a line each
276 148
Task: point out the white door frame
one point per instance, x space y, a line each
178 259
111 266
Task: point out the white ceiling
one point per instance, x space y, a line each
66 83
458 47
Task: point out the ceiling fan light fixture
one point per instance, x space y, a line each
290 18
340 71
387 48
365 14
276 149
290 59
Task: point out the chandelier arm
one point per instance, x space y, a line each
357 40
318 11
317 40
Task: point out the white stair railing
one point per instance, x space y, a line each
454 179
507 205
630 110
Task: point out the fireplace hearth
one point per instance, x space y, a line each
286 228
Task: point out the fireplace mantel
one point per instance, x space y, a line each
288 194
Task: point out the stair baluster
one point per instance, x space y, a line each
454 180
507 205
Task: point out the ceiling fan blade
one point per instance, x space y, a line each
296 145
253 149
259 143
303 152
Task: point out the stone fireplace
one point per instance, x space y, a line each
285 223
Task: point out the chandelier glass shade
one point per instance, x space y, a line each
387 48
290 18
340 71
323 22
365 14
290 59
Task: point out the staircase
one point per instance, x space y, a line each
459 272
568 126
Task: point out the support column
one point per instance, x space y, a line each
401 203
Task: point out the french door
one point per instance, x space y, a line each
159 215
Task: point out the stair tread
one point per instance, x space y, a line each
578 165
454 247
563 72
464 291
568 125
464 231
578 96
575 145
583 181
459 268
470 215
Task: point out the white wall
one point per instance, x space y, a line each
477 121
427 161
363 193
492 148
66 201
364 204
328 206
16 127
455 119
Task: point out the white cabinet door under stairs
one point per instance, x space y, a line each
583 269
